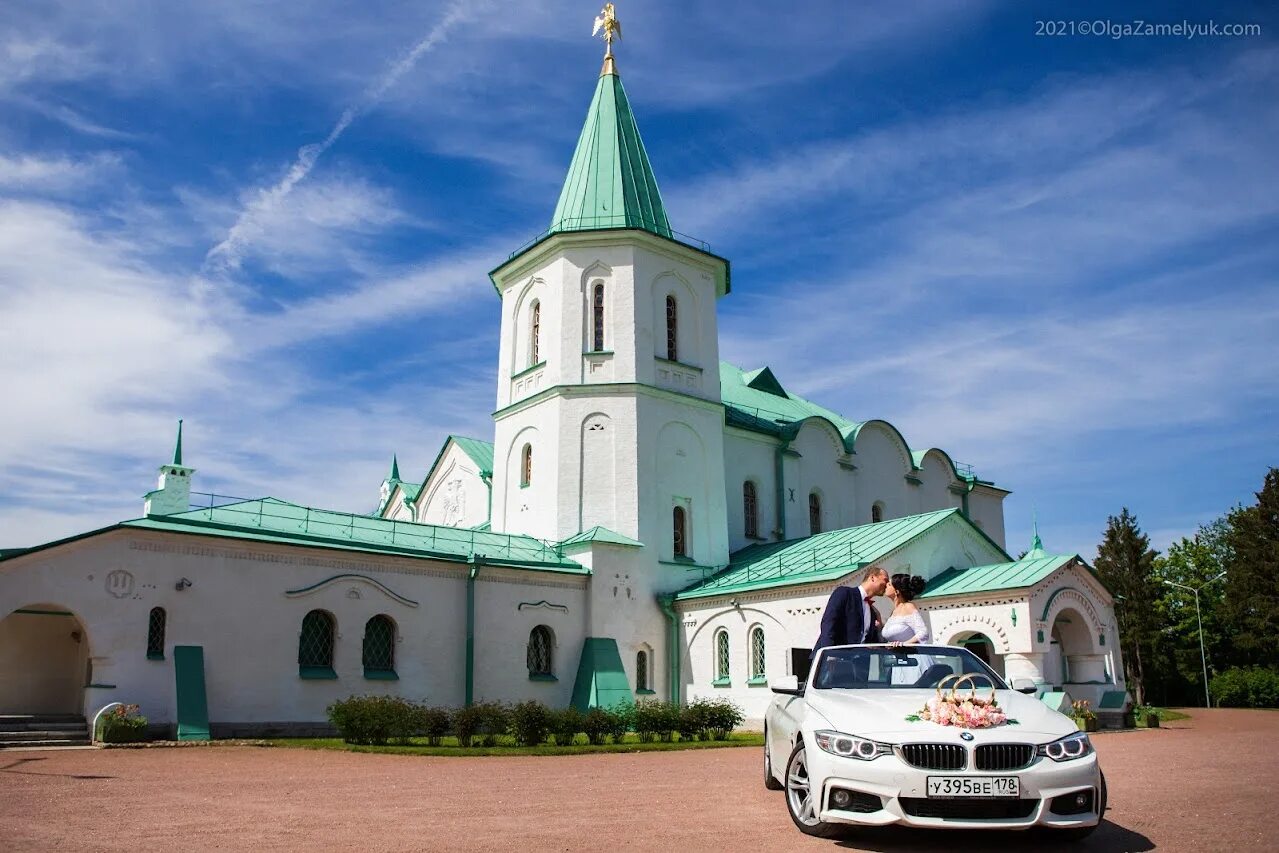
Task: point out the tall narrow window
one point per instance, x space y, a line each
526 466
876 513
680 531
597 318
315 645
814 513
535 333
641 671
721 657
379 647
538 655
750 509
757 652
672 330
155 634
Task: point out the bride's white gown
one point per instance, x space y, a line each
899 629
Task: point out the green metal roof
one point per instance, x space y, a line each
272 520
826 556
480 451
410 490
1027 571
610 182
600 534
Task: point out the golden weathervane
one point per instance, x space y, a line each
607 21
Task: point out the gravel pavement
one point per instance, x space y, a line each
1209 783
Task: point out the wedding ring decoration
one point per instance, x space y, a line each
950 707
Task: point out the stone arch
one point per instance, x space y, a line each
45 659
671 283
951 628
597 272
597 467
519 330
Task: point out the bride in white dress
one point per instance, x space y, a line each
906 626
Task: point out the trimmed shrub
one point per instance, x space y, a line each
565 723
721 716
1252 687
596 725
123 724
373 719
650 718
483 722
530 723
435 723
618 721
466 723
694 720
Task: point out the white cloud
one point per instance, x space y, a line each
31 173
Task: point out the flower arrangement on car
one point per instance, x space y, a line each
972 711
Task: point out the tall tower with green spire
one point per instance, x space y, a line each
608 402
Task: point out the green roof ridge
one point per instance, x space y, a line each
600 534
610 181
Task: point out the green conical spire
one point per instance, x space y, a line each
610 182
395 468
1036 544
177 449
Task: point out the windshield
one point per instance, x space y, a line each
903 668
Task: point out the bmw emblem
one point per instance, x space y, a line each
965 735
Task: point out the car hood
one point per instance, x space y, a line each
881 715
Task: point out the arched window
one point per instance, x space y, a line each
750 510
641 671
155 634
526 466
379 647
679 533
597 317
757 652
876 512
672 329
721 657
534 332
315 645
540 643
814 513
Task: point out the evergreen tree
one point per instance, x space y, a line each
1252 603
1196 562
1125 563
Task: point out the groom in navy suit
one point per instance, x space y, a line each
850 616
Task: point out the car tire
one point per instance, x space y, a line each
1082 832
799 798
770 781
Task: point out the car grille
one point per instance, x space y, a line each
968 809
935 756
1004 756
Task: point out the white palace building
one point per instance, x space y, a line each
645 520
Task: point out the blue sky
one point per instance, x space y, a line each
1055 257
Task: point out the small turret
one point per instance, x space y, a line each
173 491
389 484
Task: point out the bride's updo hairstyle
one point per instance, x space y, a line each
908 586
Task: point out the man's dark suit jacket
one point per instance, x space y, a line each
842 620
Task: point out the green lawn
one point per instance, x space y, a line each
507 746
1167 716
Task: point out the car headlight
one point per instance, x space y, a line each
1068 748
851 746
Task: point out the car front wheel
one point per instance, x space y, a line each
802 801
770 781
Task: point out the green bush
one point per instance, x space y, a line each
694 720
618 721
1252 687
530 723
123 724
720 717
482 721
649 719
434 724
596 724
565 723
375 719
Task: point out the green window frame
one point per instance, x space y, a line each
156 624
758 666
379 648
540 654
722 659
315 645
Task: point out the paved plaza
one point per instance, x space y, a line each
1207 783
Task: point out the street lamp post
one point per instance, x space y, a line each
1203 656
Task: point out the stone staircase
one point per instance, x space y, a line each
23 731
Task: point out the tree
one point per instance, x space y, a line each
1125 563
1252 570
1192 562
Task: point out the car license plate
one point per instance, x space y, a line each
992 787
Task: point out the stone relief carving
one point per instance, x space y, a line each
119 583
454 503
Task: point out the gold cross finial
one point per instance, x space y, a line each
607 21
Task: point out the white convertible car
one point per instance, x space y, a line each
850 747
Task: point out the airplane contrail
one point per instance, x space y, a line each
227 254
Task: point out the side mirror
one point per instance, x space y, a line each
786 684
1024 685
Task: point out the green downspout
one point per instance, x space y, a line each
781 490
476 560
487 478
673 656
964 497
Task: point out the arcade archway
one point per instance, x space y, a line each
44 661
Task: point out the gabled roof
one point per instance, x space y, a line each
823 557
273 520
599 534
610 181
1026 572
477 450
